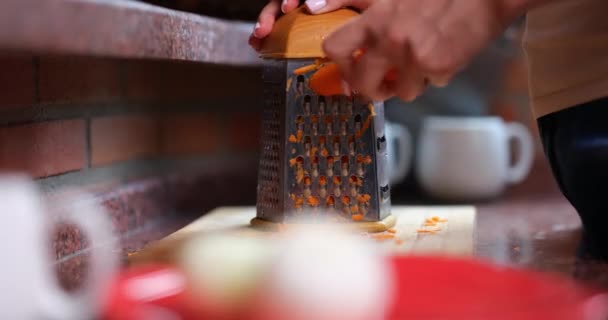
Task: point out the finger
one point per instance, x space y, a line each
343 43
323 6
369 72
255 43
266 19
289 5
410 82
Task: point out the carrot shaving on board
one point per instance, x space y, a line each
357 217
383 236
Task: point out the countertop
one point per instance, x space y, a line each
531 226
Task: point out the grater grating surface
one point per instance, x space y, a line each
319 154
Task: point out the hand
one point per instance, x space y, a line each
274 8
424 41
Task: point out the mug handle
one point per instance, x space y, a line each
82 211
520 169
403 138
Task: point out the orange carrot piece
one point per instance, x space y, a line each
299 135
327 81
293 139
313 201
357 217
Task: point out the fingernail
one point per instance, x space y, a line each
283 5
256 28
315 5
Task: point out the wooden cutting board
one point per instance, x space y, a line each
455 238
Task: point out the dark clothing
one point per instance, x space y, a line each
576 144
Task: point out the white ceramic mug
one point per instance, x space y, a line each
468 158
399 150
30 289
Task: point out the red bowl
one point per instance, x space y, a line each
441 288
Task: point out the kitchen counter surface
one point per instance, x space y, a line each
531 226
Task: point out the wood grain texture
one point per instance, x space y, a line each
300 34
455 239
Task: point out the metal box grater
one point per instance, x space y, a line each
319 154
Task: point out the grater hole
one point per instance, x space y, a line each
336 145
344 165
346 200
330 201
322 181
349 107
322 105
300 80
337 180
351 145
358 123
330 166
329 120
335 107
307 103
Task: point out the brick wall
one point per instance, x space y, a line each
157 142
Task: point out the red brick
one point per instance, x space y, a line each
244 130
17 86
191 134
121 138
43 149
78 79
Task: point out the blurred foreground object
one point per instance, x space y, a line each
30 288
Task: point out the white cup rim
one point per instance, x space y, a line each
447 122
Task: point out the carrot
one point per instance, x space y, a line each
324 152
383 236
392 230
299 135
327 81
354 209
293 139
357 217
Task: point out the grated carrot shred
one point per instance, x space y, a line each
292 162
299 135
293 139
289 82
313 201
324 153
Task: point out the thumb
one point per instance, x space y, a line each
323 6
